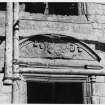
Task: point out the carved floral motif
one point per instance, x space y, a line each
54 50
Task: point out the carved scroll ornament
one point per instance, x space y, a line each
54 48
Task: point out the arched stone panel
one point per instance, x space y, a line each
54 46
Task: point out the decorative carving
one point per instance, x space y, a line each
55 47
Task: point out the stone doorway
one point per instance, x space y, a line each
55 92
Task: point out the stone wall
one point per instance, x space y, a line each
96 15
5 91
91 31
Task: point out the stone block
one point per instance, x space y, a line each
100 18
99 9
97 25
100 79
87 100
82 28
90 7
4 88
5 99
96 18
99 34
101 100
95 100
99 89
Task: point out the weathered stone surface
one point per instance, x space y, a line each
99 34
80 31
87 100
2 48
99 89
98 26
96 12
82 28
100 18
2 31
56 26
5 99
5 92
95 100
52 46
100 79
96 18
75 26
102 55
99 8
4 88
2 19
59 18
101 100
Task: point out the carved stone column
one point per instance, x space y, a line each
15 91
93 86
9 44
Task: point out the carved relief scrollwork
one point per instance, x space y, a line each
54 50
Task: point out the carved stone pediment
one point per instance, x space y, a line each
56 47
